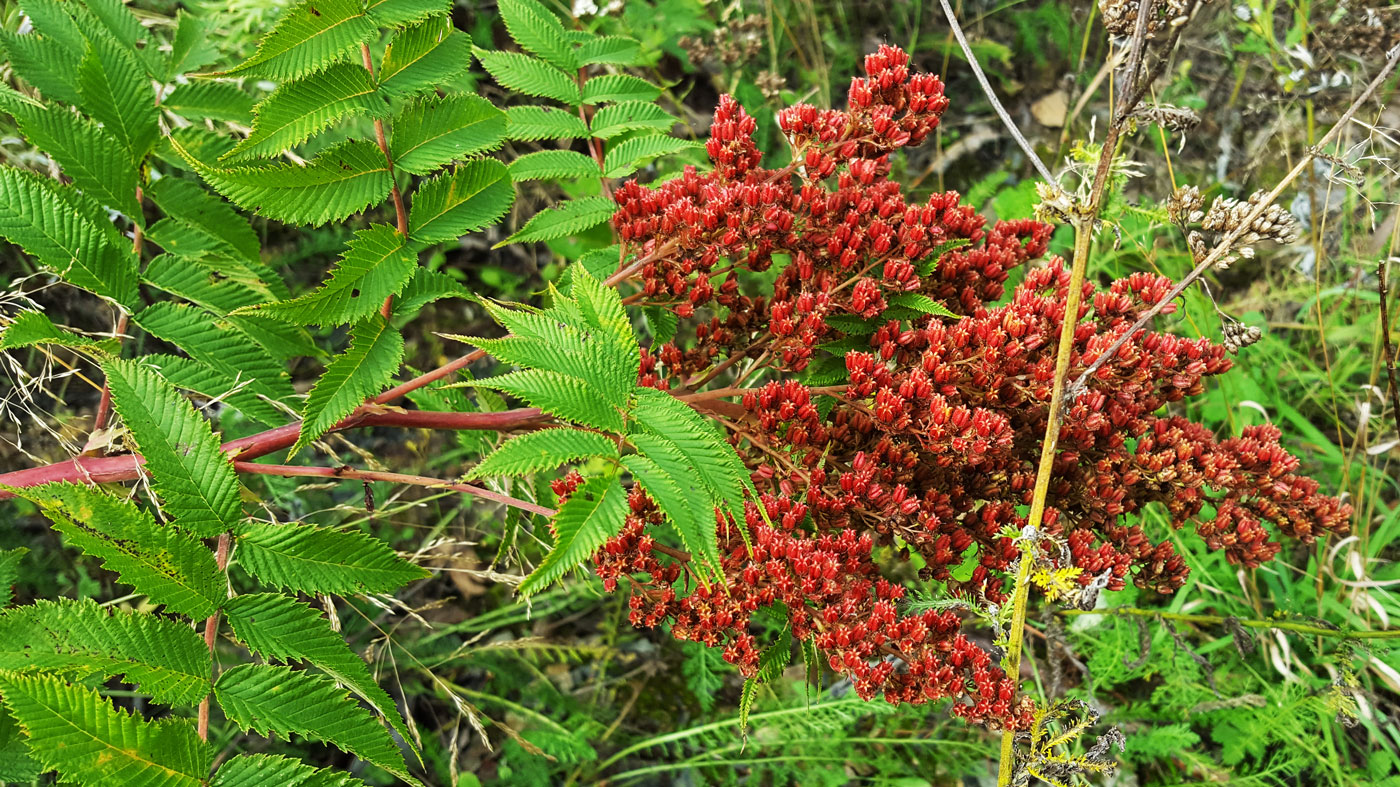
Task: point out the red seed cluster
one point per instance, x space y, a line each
927 444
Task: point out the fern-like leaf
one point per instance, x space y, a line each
531 124
298 110
921 303
309 37
564 220
376 265
552 164
261 770
365 367
189 471
525 74
279 627
435 131
88 154
625 157
317 560
539 32
615 119
275 700
185 201
424 56
76 732
170 566
343 180
618 87
675 496
713 459
167 658
592 514
527 454
68 233
475 195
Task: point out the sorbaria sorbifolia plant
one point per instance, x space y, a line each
825 385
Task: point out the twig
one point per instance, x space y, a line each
991 96
1225 243
351 474
1388 348
400 214
1220 620
211 631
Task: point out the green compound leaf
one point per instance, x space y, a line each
88 153
561 395
217 344
525 74
674 495
312 560
538 31
279 627
190 375
423 57
627 156
713 460
341 181
261 770
117 92
531 124
189 470
309 37
274 700
546 449
920 303
171 567
165 657
365 367
564 220
552 164
432 132
298 110
68 233
474 195
210 216
618 87
78 733
592 514
377 264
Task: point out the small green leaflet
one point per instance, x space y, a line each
423 57
474 195
399 13
569 218
553 164
273 700
217 344
298 110
341 181
88 741
308 38
592 514
525 74
546 449
191 375
68 233
168 565
311 559
625 157
930 260
376 265
117 92
261 770
205 213
434 131
276 626
91 156
33 328
530 124
198 280
771 664
695 527
618 87
365 367
164 656
920 303
609 50
189 470
615 119
9 573
538 31
561 395
210 99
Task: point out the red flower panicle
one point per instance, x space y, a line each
929 444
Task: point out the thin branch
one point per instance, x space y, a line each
211 632
991 96
400 214
1228 241
351 474
1388 347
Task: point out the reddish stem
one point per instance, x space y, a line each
211 631
104 405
